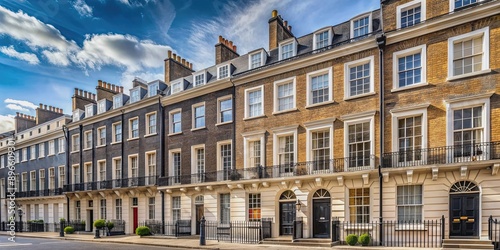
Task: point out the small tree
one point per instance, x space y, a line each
110 225
99 223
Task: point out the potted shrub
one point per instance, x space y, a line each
69 230
99 224
364 239
110 225
351 239
143 231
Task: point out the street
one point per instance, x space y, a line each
53 244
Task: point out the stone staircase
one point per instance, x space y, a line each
467 244
310 242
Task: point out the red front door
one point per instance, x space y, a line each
136 224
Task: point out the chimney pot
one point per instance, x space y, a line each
108 85
45 107
113 87
76 91
274 13
41 105
61 111
121 89
220 39
80 92
289 28
190 66
234 48
99 83
85 94
93 97
50 108
230 44
174 56
17 113
178 58
169 53
285 23
183 61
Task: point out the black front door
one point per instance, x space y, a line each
287 216
464 215
321 218
199 215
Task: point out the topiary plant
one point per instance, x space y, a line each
351 239
142 231
364 239
62 220
99 223
110 225
69 230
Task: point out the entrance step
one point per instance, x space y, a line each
467 244
309 242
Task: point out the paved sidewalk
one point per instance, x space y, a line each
184 242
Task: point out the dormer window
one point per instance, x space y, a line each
361 26
89 110
176 87
135 95
101 106
76 115
321 39
153 89
287 49
410 13
223 71
117 101
199 79
255 60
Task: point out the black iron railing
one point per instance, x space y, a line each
494 232
235 231
442 155
110 184
172 228
37 193
428 233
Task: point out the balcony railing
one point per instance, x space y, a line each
442 155
110 184
37 193
283 170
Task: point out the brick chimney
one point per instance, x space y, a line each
176 67
46 113
279 30
24 122
106 90
82 98
225 50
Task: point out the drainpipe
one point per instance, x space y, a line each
234 125
162 157
381 40
66 137
81 154
122 148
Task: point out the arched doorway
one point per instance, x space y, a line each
199 208
464 210
321 213
287 212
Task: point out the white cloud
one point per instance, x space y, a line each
6 123
22 103
16 107
25 56
83 8
136 3
56 57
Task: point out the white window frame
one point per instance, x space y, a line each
370 211
130 174
263 58
452 5
255 203
397 114
318 126
151 208
33 152
147 132
469 102
485 33
76 173
113 127
228 66
52 147
171 172
77 114
146 164
99 170
276 93
61 176
219 161
292 41
219 111
130 125
115 168
24 155
194 162
411 5
41 150
247 109
329 30
52 178
42 180
309 77
413 205
348 66
249 137
85 142
73 143
33 186
154 92
203 74
2 162
356 119
99 129
89 110
61 145
86 167
171 121
193 114
280 132
173 85
117 101
369 15
101 106
132 92
422 49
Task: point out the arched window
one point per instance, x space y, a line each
198 199
288 195
321 193
464 187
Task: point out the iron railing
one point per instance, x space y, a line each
172 228
37 193
428 233
110 184
235 231
494 232
442 155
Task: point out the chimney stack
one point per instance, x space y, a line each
176 67
45 113
279 30
82 98
225 50
105 90
23 122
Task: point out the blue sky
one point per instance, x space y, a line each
47 48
